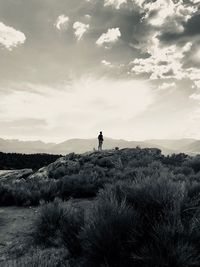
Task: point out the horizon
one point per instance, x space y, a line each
72 68
93 138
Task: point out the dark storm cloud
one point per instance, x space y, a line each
191 29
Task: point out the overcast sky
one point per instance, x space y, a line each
69 69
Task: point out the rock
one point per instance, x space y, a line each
14 175
74 164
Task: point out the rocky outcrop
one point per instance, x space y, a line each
73 164
14 175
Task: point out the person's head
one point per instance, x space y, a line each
100 132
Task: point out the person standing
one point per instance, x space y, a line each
100 138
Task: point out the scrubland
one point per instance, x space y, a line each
136 207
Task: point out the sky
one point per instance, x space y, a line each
129 68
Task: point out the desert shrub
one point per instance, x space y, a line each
165 245
70 228
6 195
30 192
187 170
193 189
174 159
82 176
190 204
154 199
81 186
183 170
106 233
141 224
47 225
49 190
105 162
50 257
193 163
63 167
57 226
143 162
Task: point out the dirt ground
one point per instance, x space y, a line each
16 225
15 228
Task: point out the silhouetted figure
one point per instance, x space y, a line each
100 138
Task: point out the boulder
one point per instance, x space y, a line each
12 175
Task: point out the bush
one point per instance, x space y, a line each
47 225
81 186
193 163
142 224
70 228
105 162
59 225
6 195
42 258
106 234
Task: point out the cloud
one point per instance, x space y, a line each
165 11
80 29
165 86
115 3
87 16
9 37
87 99
197 83
110 37
106 63
195 1
169 14
164 61
62 23
195 96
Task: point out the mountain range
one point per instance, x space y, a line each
168 146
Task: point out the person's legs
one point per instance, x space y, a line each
100 146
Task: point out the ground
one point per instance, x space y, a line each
16 225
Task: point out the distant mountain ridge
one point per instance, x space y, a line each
168 146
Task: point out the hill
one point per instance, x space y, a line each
15 161
116 208
192 147
81 146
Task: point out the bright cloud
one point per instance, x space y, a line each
110 37
195 1
88 17
80 28
164 62
197 83
115 3
106 63
195 96
165 86
9 37
166 13
62 23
